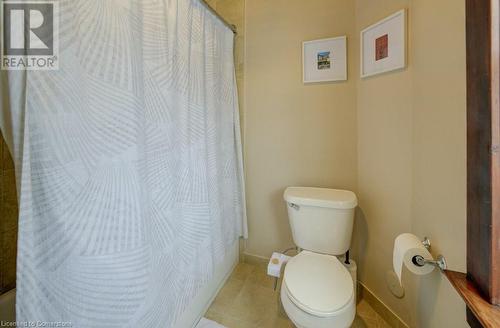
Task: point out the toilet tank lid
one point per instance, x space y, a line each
321 197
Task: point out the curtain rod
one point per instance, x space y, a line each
225 22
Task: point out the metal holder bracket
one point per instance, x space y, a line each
427 243
420 261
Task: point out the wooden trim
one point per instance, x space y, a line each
483 142
495 153
472 319
486 314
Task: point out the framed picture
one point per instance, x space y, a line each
325 60
383 45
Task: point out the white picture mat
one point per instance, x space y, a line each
395 27
338 60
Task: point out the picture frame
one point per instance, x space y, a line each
324 60
383 45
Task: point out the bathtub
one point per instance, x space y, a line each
8 306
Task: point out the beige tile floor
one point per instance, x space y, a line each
248 300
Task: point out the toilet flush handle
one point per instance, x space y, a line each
294 206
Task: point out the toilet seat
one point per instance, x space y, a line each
318 284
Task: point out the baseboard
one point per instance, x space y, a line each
254 259
390 317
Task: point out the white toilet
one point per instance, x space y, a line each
318 291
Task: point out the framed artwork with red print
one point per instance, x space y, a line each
383 45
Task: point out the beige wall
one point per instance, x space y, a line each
385 162
412 173
439 141
295 134
397 139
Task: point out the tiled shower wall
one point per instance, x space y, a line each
8 220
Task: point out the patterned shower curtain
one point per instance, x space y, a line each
128 164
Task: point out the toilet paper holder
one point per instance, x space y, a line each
427 243
420 261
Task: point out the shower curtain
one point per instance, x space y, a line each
128 164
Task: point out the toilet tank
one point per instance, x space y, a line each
321 219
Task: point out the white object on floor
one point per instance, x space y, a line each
275 264
205 323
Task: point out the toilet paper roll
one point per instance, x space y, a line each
406 247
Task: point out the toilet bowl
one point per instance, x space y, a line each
318 291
